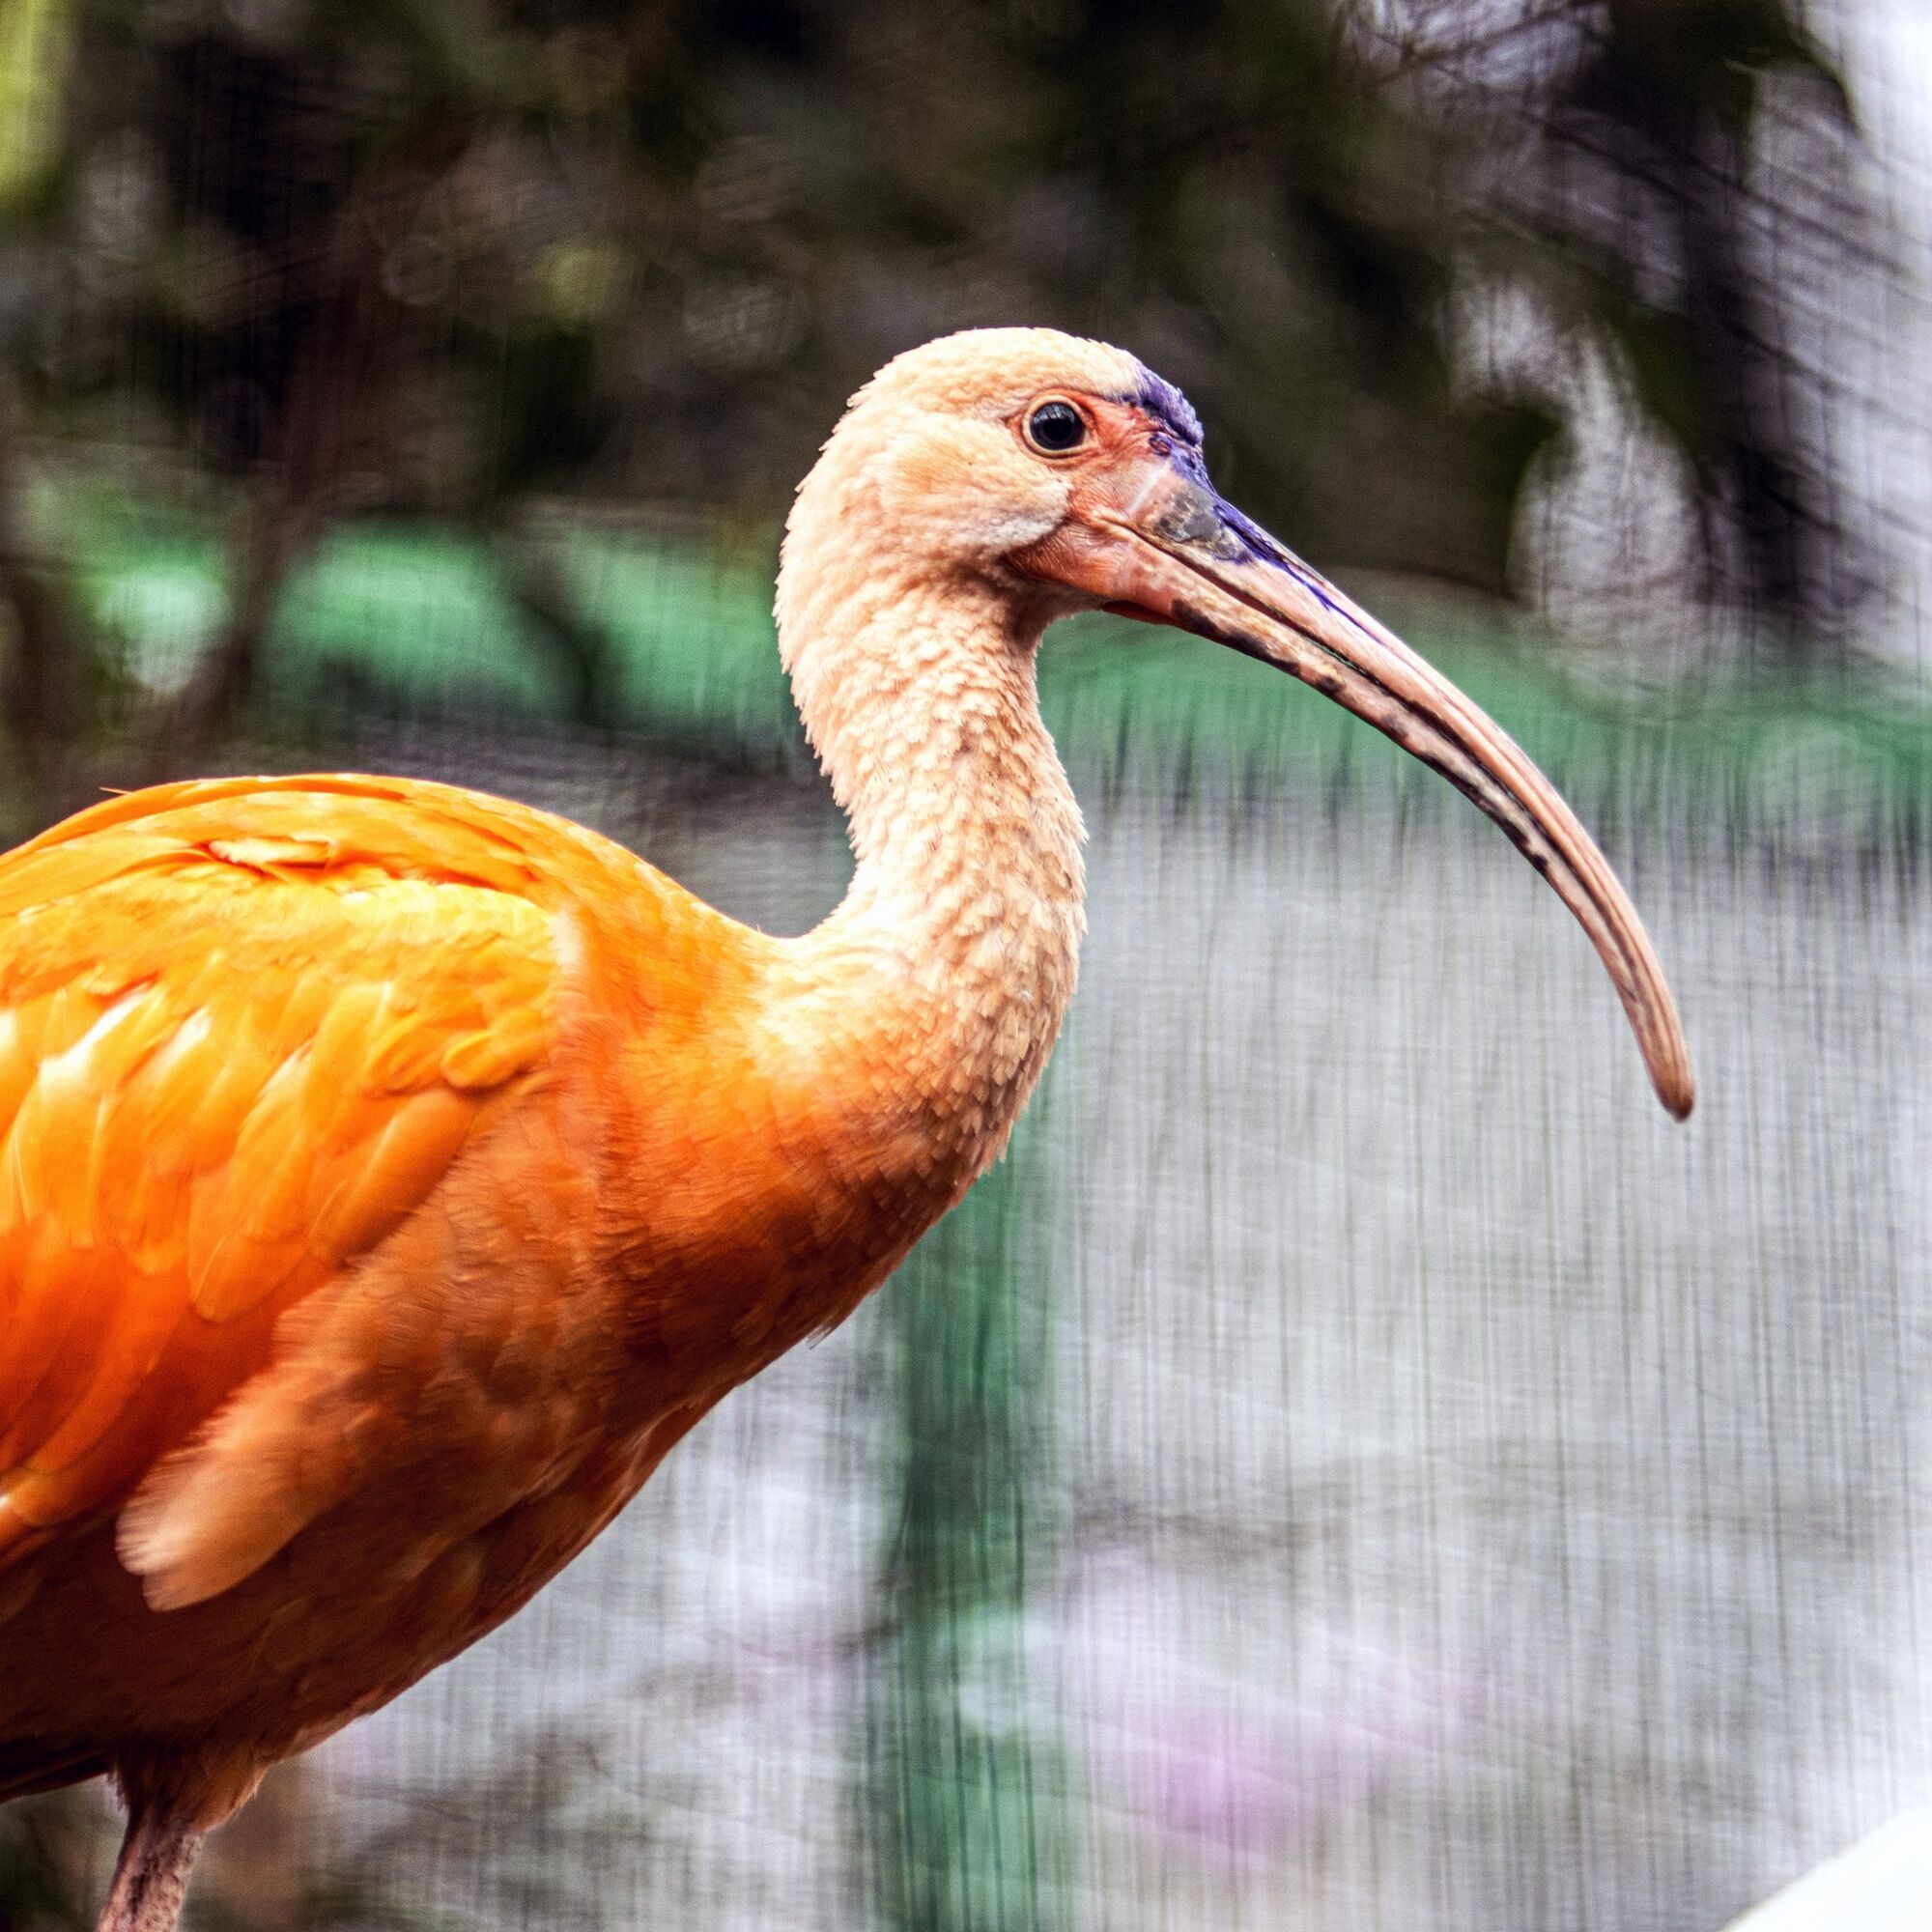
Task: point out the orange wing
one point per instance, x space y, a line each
244 1029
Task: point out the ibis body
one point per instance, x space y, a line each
390 1175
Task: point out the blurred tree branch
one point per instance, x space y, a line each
1676 176
1673 90
37 679
324 442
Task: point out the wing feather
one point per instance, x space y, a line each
245 1029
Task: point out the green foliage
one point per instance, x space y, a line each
33 63
432 257
43 1854
511 247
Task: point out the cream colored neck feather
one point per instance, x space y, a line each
956 947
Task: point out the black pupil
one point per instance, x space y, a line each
1057 426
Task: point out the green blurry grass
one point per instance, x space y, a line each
415 620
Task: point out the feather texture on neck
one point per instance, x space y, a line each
916 681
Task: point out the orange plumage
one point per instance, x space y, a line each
326 1086
390 1175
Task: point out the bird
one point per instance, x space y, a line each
391 1174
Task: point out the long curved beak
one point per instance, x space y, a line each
1176 553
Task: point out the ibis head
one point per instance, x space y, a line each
1063 475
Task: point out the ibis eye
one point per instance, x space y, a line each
1055 428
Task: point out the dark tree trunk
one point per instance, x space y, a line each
1678 159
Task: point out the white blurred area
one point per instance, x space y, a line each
1884 1884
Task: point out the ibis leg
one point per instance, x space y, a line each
151 1879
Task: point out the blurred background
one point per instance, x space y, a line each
1355 1465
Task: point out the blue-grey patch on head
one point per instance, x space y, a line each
1168 407
1178 436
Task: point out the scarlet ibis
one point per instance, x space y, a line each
392 1173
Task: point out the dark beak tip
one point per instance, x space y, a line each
1671 1075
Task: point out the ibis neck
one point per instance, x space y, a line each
966 902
